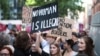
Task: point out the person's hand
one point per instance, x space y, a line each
58 39
63 39
38 34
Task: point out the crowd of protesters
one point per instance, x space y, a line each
43 44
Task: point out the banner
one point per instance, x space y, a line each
26 14
45 17
2 27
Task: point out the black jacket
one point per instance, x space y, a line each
20 52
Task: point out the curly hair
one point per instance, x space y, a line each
22 40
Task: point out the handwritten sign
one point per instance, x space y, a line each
64 29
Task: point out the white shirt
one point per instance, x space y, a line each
74 53
46 46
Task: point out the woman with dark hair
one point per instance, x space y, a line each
22 44
86 46
75 39
55 50
44 51
68 51
34 51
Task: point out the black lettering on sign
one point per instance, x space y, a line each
65 34
62 23
59 28
57 32
67 25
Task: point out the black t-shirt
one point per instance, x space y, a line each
37 54
20 52
45 54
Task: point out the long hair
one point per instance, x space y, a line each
22 40
58 50
89 46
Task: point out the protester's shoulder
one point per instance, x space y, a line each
34 53
18 53
83 54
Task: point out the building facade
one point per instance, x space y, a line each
94 32
96 6
15 10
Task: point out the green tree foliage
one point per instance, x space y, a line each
30 2
4 6
74 6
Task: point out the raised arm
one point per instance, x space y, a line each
58 39
38 40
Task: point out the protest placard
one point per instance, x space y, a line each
64 29
45 17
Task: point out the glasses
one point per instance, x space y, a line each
4 54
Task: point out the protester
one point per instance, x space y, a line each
42 44
68 45
33 38
22 44
45 50
86 46
12 35
6 51
34 51
55 50
75 39
11 47
4 39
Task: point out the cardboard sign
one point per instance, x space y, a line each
26 14
64 29
45 17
